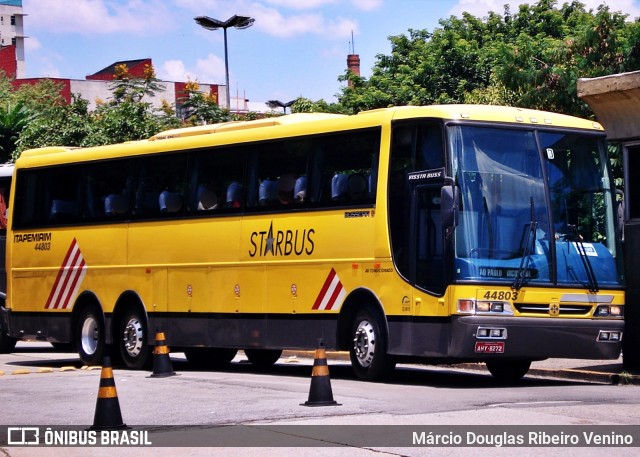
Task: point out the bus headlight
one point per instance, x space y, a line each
610 311
470 306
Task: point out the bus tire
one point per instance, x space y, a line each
133 342
263 358
7 343
89 337
369 358
508 370
210 358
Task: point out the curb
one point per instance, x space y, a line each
600 377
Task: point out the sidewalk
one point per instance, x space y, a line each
596 371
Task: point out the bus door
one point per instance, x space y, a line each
427 244
416 177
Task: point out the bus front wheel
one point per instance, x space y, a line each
369 359
134 347
508 370
90 336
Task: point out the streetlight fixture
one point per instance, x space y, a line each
273 104
239 22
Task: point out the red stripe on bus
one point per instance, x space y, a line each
324 289
334 297
76 273
60 273
67 276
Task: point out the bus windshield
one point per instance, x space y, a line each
508 233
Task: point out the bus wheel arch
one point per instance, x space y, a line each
130 331
363 331
88 334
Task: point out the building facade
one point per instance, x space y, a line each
12 37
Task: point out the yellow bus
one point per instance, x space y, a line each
425 234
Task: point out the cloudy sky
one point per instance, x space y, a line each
295 47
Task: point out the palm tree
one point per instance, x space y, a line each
13 120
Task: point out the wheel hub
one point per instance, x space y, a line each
133 337
364 343
90 335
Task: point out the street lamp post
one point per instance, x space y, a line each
239 22
273 104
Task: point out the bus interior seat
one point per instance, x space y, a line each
63 210
300 190
339 186
357 187
234 195
170 202
207 200
286 185
267 193
115 204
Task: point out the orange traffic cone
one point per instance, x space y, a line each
107 416
320 393
161 360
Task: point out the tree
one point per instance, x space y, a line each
60 125
13 120
531 58
201 108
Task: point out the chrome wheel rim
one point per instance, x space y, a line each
89 335
133 337
364 343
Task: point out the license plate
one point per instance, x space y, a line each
490 347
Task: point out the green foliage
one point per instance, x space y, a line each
531 58
13 119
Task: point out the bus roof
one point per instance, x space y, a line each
234 132
493 113
243 125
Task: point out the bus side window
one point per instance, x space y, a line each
347 164
66 196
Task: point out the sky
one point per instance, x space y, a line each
295 48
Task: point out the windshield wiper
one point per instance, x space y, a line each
592 281
529 244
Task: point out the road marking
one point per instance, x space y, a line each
536 403
22 371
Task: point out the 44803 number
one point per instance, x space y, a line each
508 295
46 246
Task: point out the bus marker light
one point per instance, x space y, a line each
495 333
608 336
466 306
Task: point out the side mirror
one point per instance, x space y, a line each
449 205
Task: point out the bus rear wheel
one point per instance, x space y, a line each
369 359
89 337
508 370
263 358
210 358
133 343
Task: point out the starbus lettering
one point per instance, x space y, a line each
281 242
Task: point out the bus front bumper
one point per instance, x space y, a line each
484 337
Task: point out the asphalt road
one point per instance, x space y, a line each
39 388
